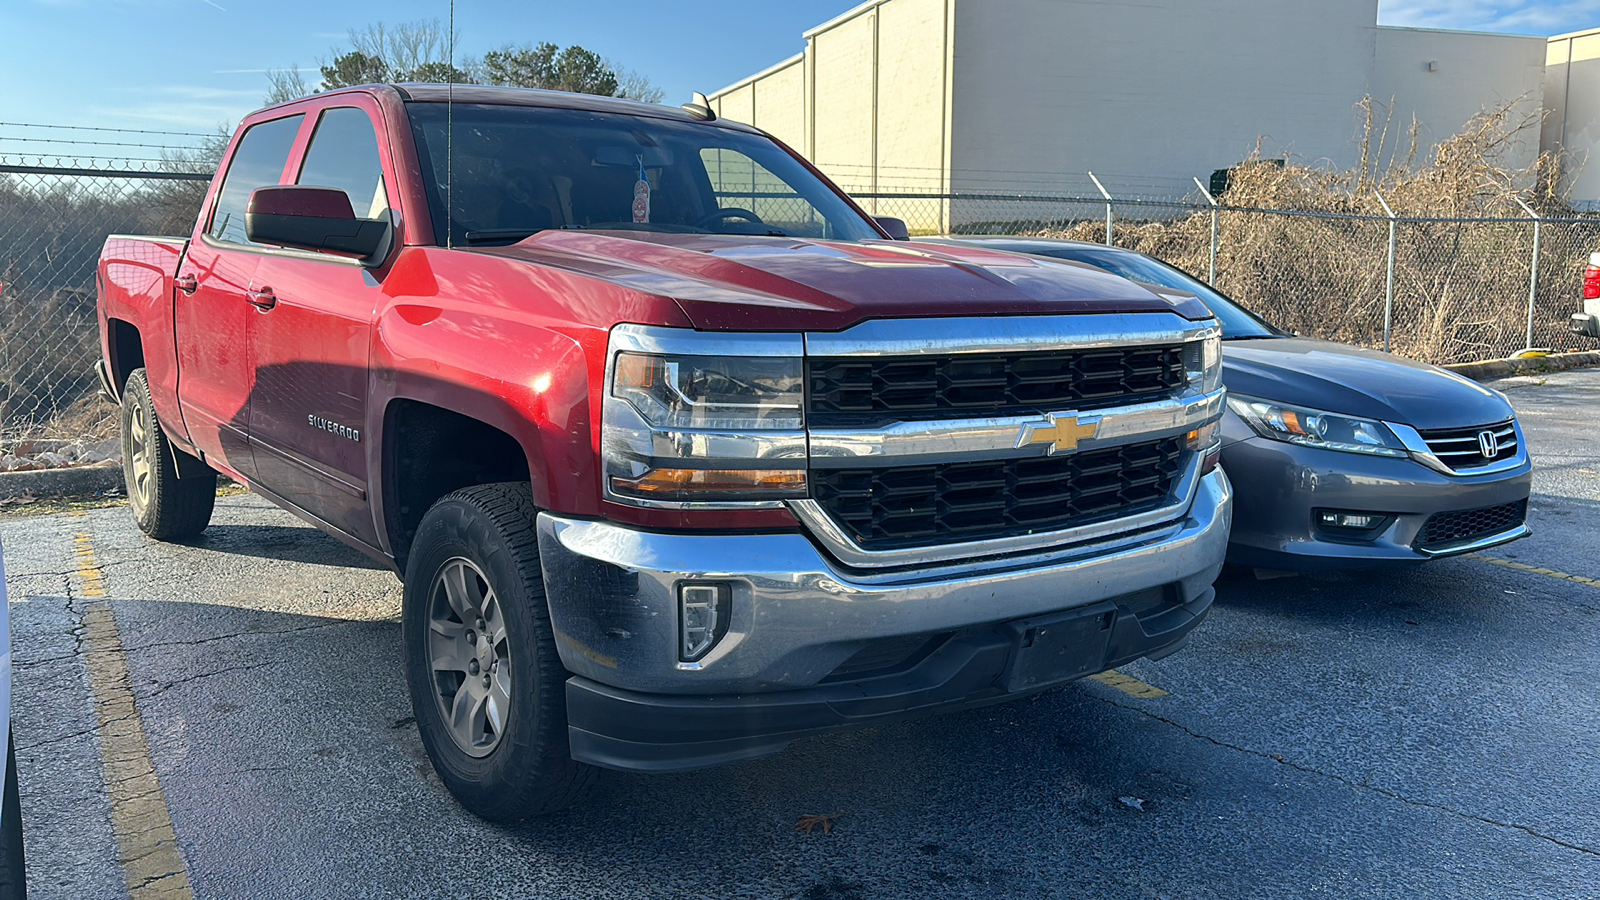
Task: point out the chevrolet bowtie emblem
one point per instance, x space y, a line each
1063 432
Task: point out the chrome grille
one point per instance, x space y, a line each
893 507
1461 448
857 390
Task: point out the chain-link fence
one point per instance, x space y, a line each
53 221
1436 289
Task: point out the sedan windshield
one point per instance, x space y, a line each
1237 322
514 171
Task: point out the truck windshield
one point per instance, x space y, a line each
516 171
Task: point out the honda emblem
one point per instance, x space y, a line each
1489 444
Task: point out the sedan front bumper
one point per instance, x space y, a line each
1274 524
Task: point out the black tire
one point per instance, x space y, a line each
13 875
165 506
522 768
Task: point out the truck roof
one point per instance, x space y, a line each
516 96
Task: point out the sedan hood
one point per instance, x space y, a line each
736 282
1339 378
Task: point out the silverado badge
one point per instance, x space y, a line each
1060 430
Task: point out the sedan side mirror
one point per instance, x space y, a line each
311 218
895 227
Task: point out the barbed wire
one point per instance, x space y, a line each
103 128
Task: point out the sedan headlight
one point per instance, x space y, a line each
683 428
1316 428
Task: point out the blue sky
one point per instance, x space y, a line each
192 65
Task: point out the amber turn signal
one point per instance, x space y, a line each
705 484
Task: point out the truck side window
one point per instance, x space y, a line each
344 155
258 162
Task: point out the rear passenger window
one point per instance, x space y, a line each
258 162
344 155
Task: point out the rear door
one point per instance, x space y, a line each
308 416
211 303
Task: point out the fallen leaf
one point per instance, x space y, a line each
810 821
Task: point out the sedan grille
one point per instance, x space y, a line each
856 389
888 508
1443 529
1462 448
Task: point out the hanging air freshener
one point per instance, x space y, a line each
641 196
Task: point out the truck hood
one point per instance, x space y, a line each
736 282
1339 378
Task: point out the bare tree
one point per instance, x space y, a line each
285 85
633 86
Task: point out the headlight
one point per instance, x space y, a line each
710 392
685 428
1315 428
1203 360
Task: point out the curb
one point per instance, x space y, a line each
45 483
1501 368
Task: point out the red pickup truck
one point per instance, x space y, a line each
679 454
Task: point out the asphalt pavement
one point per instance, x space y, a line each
1426 732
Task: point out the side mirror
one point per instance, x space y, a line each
311 218
896 227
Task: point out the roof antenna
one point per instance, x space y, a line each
450 136
698 106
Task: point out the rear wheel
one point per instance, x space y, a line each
165 506
487 686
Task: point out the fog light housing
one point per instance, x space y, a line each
1349 525
703 612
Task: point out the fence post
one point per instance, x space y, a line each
1533 275
1388 289
1106 194
1212 278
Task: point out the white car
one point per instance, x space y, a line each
1588 321
12 881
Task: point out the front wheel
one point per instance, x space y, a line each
165 506
487 686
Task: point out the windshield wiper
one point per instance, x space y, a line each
485 235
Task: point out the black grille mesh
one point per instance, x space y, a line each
849 389
1443 529
887 508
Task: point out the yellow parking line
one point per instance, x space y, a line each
1536 570
1129 685
152 864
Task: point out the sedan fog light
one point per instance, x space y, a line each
1349 524
703 612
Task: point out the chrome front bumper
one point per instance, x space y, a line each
796 614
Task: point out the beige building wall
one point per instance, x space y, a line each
1572 97
1444 78
867 102
1047 89
1026 96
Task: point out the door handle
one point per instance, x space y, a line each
263 299
186 283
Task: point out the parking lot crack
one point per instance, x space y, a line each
199 642
163 686
1359 785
